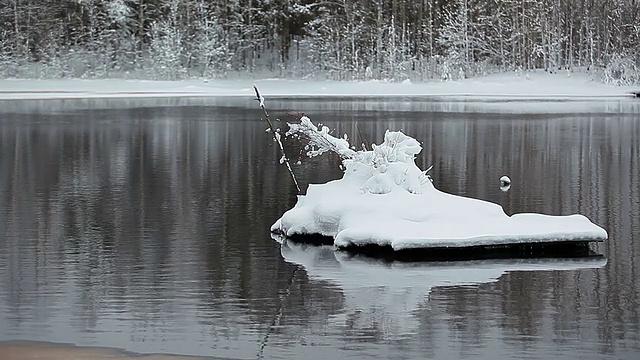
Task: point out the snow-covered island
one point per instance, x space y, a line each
385 201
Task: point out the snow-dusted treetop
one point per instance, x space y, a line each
385 199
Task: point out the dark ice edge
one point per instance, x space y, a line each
521 250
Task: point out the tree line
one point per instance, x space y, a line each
333 39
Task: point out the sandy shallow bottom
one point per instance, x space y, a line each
44 351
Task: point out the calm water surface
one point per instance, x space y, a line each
143 225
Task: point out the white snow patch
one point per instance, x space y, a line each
505 86
384 199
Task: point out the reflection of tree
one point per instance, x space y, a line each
127 206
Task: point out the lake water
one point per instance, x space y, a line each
144 225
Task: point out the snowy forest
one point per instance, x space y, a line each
391 40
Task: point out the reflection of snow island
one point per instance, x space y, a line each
384 202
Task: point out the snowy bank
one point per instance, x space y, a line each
537 85
385 200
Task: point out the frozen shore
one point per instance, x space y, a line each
536 85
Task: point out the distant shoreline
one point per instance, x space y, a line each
535 86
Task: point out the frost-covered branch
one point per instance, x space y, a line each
276 136
387 166
320 141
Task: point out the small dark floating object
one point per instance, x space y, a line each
635 93
505 183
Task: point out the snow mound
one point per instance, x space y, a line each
384 199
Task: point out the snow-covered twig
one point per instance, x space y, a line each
320 141
276 136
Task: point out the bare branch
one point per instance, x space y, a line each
276 137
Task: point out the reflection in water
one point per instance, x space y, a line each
358 106
388 292
350 106
146 227
132 231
